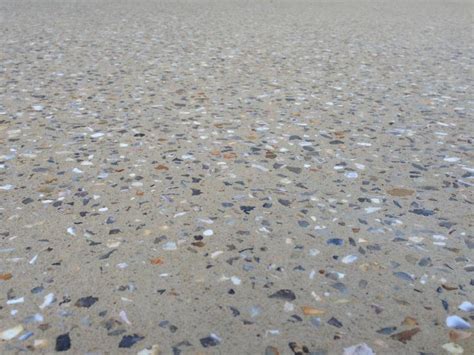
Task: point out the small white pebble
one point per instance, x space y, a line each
314 252
6 187
351 175
48 300
170 246
349 259
369 210
216 254
123 316
33 259
235 280
11 333
16 300
466 306
208 232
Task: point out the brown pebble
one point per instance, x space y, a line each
44 326
405 335
400 192
271 350
456 335
156 261
410 321
270 155
6 276
198 244
310 311
231 155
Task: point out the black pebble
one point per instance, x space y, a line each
27 201
209 341
422 212
247 209
285 203
63 342
86 301
129 340
106 255
284 295
196 192
37 289
334 322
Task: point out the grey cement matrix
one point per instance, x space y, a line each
236 177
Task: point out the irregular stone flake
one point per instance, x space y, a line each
86 302
284 294
129 340
11 333
405 335
400 192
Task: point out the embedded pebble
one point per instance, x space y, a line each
349 259
7 187
208 233
86 301
453 348
359 349
284 295
48 300
153 350
170 246
63 342
466 306
210 341
457 322
11 333
129 340
40 343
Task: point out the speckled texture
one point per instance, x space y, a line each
236 177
